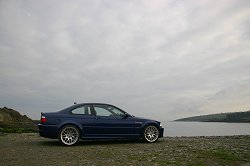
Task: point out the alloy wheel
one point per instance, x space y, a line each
69 135
151 133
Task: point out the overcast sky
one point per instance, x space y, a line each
156 59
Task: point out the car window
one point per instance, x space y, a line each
84 110
105 110
116 112
102 111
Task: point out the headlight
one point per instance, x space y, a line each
160 124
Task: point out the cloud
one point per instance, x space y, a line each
161 59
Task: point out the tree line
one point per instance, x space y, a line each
238 117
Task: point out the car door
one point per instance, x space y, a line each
86 118
110 122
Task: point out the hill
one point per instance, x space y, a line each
222 117
13 121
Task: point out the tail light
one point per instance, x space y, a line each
43 119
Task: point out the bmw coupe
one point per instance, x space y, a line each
97 121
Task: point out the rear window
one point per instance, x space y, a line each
83 110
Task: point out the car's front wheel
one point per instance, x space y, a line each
69 135
150 134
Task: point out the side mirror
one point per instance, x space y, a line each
125 116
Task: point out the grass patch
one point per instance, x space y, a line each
196 163
220 156
16 130
141 157
181 146
225 155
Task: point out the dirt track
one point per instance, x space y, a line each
30 149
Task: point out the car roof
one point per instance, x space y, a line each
92 104
81 104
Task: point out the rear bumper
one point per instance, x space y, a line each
48 131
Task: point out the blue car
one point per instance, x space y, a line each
97 121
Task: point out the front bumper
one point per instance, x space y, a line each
161 132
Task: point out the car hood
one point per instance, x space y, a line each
141 119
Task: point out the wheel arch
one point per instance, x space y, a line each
147 124
150 123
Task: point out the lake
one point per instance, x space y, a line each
173 129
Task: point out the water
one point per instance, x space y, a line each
205 129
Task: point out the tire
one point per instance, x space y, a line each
69 135
150 134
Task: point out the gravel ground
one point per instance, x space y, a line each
30 149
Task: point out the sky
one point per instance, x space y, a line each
159 59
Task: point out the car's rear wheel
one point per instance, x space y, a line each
150 133
69 135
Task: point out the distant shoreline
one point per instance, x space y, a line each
208 137
208 121
231 117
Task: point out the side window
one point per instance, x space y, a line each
116 112
84 110
100 111
106 110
